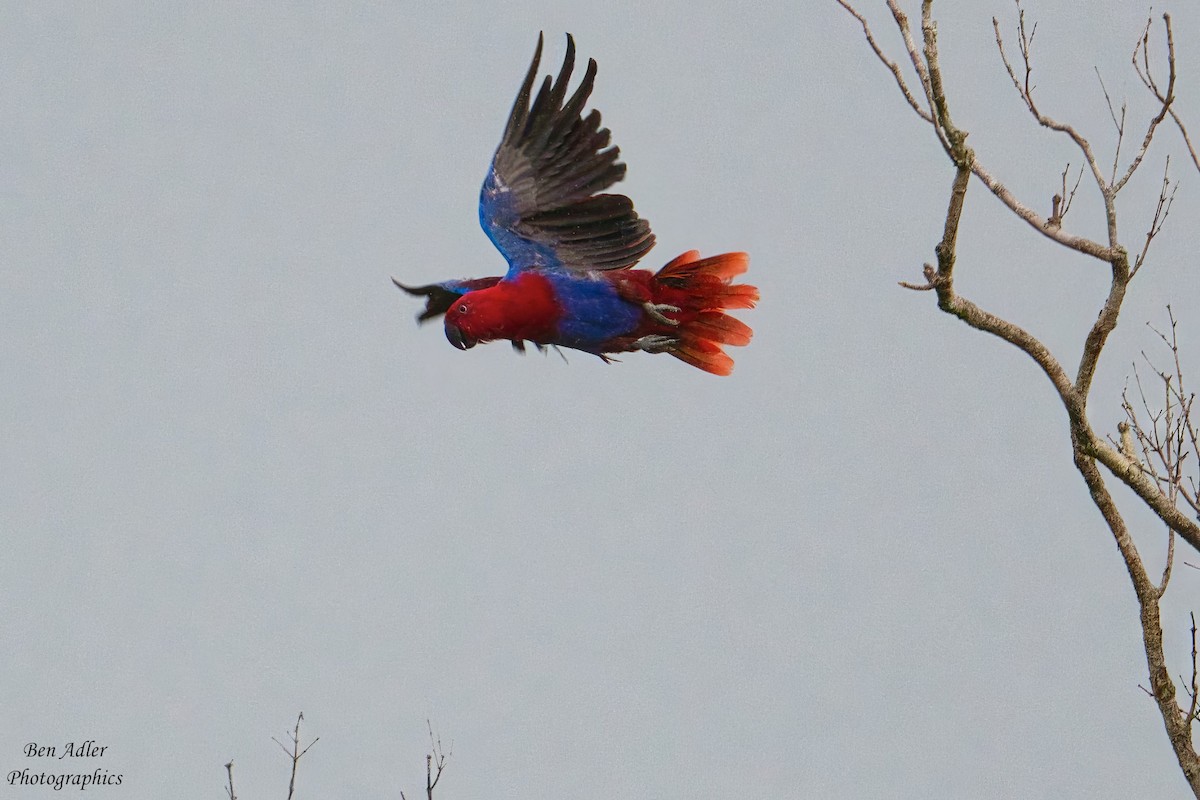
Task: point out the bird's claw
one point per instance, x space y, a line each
655 310
655 343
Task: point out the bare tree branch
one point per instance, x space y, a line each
1075 401
1165 198
1039 223
1176 722
295 754
1025 90
1165 101
1155 474
1147 77
1170 438
435 762
1119 124
1195 691
892 66
918 64
1061 203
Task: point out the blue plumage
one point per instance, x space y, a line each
498 217
597 313
570 248
541 202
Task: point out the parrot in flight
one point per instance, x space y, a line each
571 247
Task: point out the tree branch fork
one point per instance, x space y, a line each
1155 474
1073 392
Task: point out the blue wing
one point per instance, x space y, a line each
540 203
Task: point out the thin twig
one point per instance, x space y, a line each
435 760
1119 124
892 66
1166 197
1170 561
1025 90
295 754
1061 202
1145 74
1195 693
1165 100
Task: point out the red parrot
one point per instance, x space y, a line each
571 248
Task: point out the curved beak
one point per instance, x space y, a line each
457 338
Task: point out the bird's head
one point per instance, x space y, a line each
522 308
472 319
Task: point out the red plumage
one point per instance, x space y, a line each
701 290
678 310
571 247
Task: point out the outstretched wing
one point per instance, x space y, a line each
440 296
539 203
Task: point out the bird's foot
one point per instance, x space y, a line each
655 343
655 310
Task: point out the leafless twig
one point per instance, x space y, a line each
1061 202
435 762
1147 77
1194 694
1166 197
892 66
295 754
1165 100
1170 437
1119 124
1025 87
1167 437
1159 484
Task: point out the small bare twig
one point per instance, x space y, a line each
295 754
1165 100
1061 202
929 284
1119 124
1026 50
1171 437
1147 77
229 791
1025 89
1170 561
1168 438
892 66
1003 193
435 762
1194 694
1166 197
1187 140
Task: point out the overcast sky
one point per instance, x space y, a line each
238 482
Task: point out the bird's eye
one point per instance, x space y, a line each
462 308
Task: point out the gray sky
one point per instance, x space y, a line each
238 482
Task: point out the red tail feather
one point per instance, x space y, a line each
722 328
703 354
724 266
701 289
